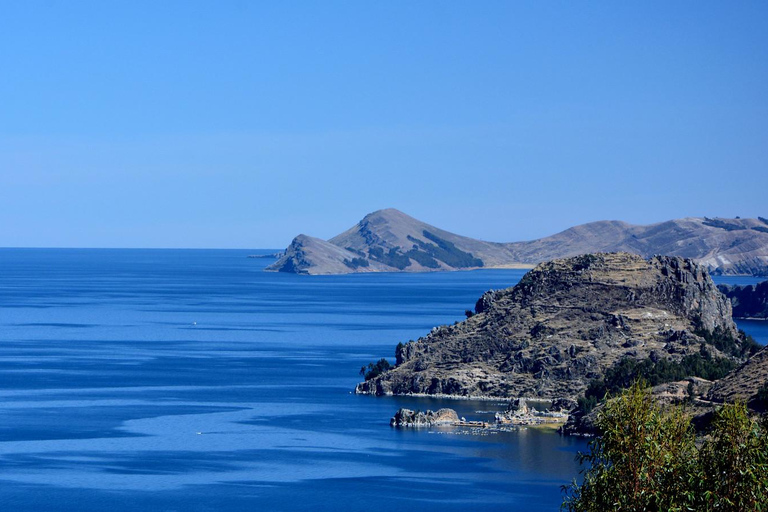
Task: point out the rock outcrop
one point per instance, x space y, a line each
408 418
520 413
391 241
564 324
749 301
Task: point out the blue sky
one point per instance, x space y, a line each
244 123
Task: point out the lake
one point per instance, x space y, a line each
192 380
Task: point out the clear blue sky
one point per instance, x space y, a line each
244 123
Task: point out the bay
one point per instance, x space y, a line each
192 380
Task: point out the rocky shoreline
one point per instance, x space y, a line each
517 414
563 327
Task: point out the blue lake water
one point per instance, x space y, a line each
192 380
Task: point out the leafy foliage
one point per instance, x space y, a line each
733 463
373 370
647 459
639 462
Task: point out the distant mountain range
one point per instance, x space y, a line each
391 241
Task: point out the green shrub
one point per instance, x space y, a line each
733 463
373 370
640 461
646 459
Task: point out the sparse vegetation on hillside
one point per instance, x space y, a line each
629 370
393 258
356 263
728 226
422 258
444 251
741 346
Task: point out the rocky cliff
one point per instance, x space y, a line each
564 324
391 241
749 301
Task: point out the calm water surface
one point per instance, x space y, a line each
192 380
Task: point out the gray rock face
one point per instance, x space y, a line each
391 241
564 324
408 418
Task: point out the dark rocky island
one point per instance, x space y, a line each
565 325
391 241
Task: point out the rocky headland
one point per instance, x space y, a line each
564 325
391 241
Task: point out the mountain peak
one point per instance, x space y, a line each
388 214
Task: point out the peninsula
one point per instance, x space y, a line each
565 324
391 241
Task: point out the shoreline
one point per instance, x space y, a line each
479 398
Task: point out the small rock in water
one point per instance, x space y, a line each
408 418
